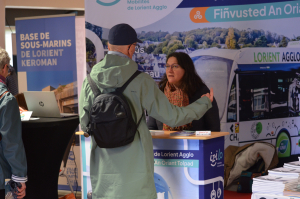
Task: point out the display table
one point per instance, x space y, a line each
189 166
45 141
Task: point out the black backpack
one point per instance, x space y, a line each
111 121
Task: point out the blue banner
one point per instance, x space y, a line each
253 12
46 51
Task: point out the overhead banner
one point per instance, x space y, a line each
248 52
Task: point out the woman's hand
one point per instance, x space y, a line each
210 95
22 191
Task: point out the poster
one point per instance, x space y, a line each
248 52
46 56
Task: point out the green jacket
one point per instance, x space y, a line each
127 172
13 163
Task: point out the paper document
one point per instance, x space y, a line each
25 116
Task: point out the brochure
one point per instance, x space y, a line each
284 171
157 132
183 133
25 116
295 164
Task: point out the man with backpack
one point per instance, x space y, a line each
111 105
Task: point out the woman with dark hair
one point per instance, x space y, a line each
182 86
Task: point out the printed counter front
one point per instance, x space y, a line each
184 166
188 166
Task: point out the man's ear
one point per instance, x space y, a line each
129 46
2 70
3 67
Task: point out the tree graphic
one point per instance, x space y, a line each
284 42
150 48
231 40
261 42
243 38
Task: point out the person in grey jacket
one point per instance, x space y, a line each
183 79
13 162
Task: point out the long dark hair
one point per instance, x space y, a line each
191 81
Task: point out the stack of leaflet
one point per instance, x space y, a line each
274 185
271 196
295 164
290 172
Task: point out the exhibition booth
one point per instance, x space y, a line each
248 52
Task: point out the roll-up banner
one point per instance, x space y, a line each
247 51
46 60
46 51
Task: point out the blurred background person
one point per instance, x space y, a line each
12 81
182 86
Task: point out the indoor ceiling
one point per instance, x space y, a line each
12 13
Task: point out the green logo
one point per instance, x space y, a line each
108 4
258 128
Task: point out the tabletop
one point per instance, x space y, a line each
166 135
160 134
48 121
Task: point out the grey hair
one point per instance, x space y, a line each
4 58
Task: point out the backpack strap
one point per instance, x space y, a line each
0 98
96 93
93 85
3 94
137 125
121 89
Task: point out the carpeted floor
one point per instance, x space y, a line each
235 195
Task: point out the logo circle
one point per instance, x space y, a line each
259 127
108 4
219 192
213 194
41 103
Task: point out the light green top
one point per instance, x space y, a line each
127 172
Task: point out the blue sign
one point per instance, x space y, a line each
46 51
189 168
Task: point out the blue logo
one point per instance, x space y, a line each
71 155
215 157
107 4
283 146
